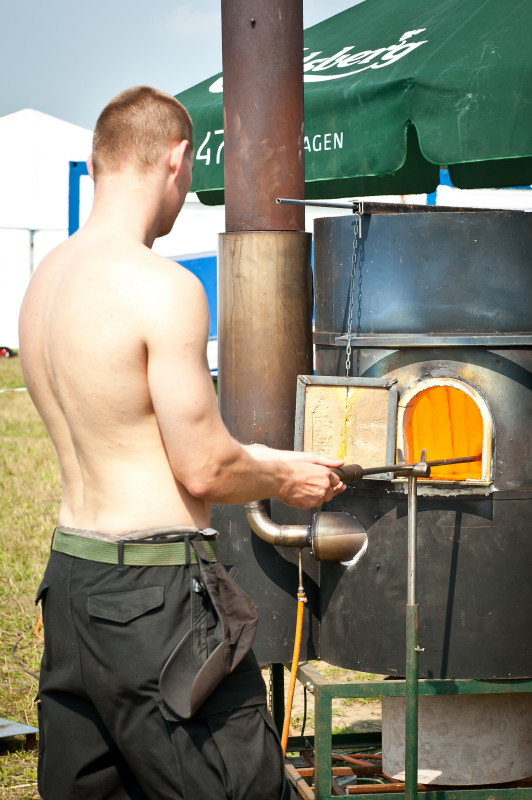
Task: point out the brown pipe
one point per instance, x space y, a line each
262 43
265 327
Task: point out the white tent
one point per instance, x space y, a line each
35 150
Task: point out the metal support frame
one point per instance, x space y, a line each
412 648
325 691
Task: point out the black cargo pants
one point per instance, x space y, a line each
105 733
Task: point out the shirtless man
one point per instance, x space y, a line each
113 350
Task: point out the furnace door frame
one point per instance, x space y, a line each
487 425
390 385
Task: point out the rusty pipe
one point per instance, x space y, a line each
263 114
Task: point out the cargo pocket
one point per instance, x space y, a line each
233 754
250 750
123 607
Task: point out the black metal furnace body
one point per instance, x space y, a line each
442 298
431 299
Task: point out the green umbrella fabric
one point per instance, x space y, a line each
393 90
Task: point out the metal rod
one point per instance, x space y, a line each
319 203
461 460
440 463
350 473
390 468
411 598
412 650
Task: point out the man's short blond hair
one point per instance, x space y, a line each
136 127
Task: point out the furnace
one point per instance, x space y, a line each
423 349
436 304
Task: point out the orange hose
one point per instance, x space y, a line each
301 600
37 630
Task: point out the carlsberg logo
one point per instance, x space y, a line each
346 63
318 67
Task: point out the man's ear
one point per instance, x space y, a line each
177 154
90 166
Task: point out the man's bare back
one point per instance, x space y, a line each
92 310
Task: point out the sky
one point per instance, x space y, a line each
68 58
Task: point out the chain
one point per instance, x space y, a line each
356 237
360 255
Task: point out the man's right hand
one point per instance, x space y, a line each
308 479
311 485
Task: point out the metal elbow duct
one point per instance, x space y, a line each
282 535
332 536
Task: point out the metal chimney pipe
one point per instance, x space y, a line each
265 282
262 43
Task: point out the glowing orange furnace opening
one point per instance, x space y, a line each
448 423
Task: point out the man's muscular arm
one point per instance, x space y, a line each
203 456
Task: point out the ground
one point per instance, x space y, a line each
349 715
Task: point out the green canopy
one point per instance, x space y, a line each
393 90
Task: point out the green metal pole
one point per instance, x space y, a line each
412 650
322 742
411 726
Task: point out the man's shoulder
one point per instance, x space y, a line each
166 274
134 266
163 292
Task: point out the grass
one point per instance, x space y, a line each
349 715
29 498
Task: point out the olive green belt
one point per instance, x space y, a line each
133 554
